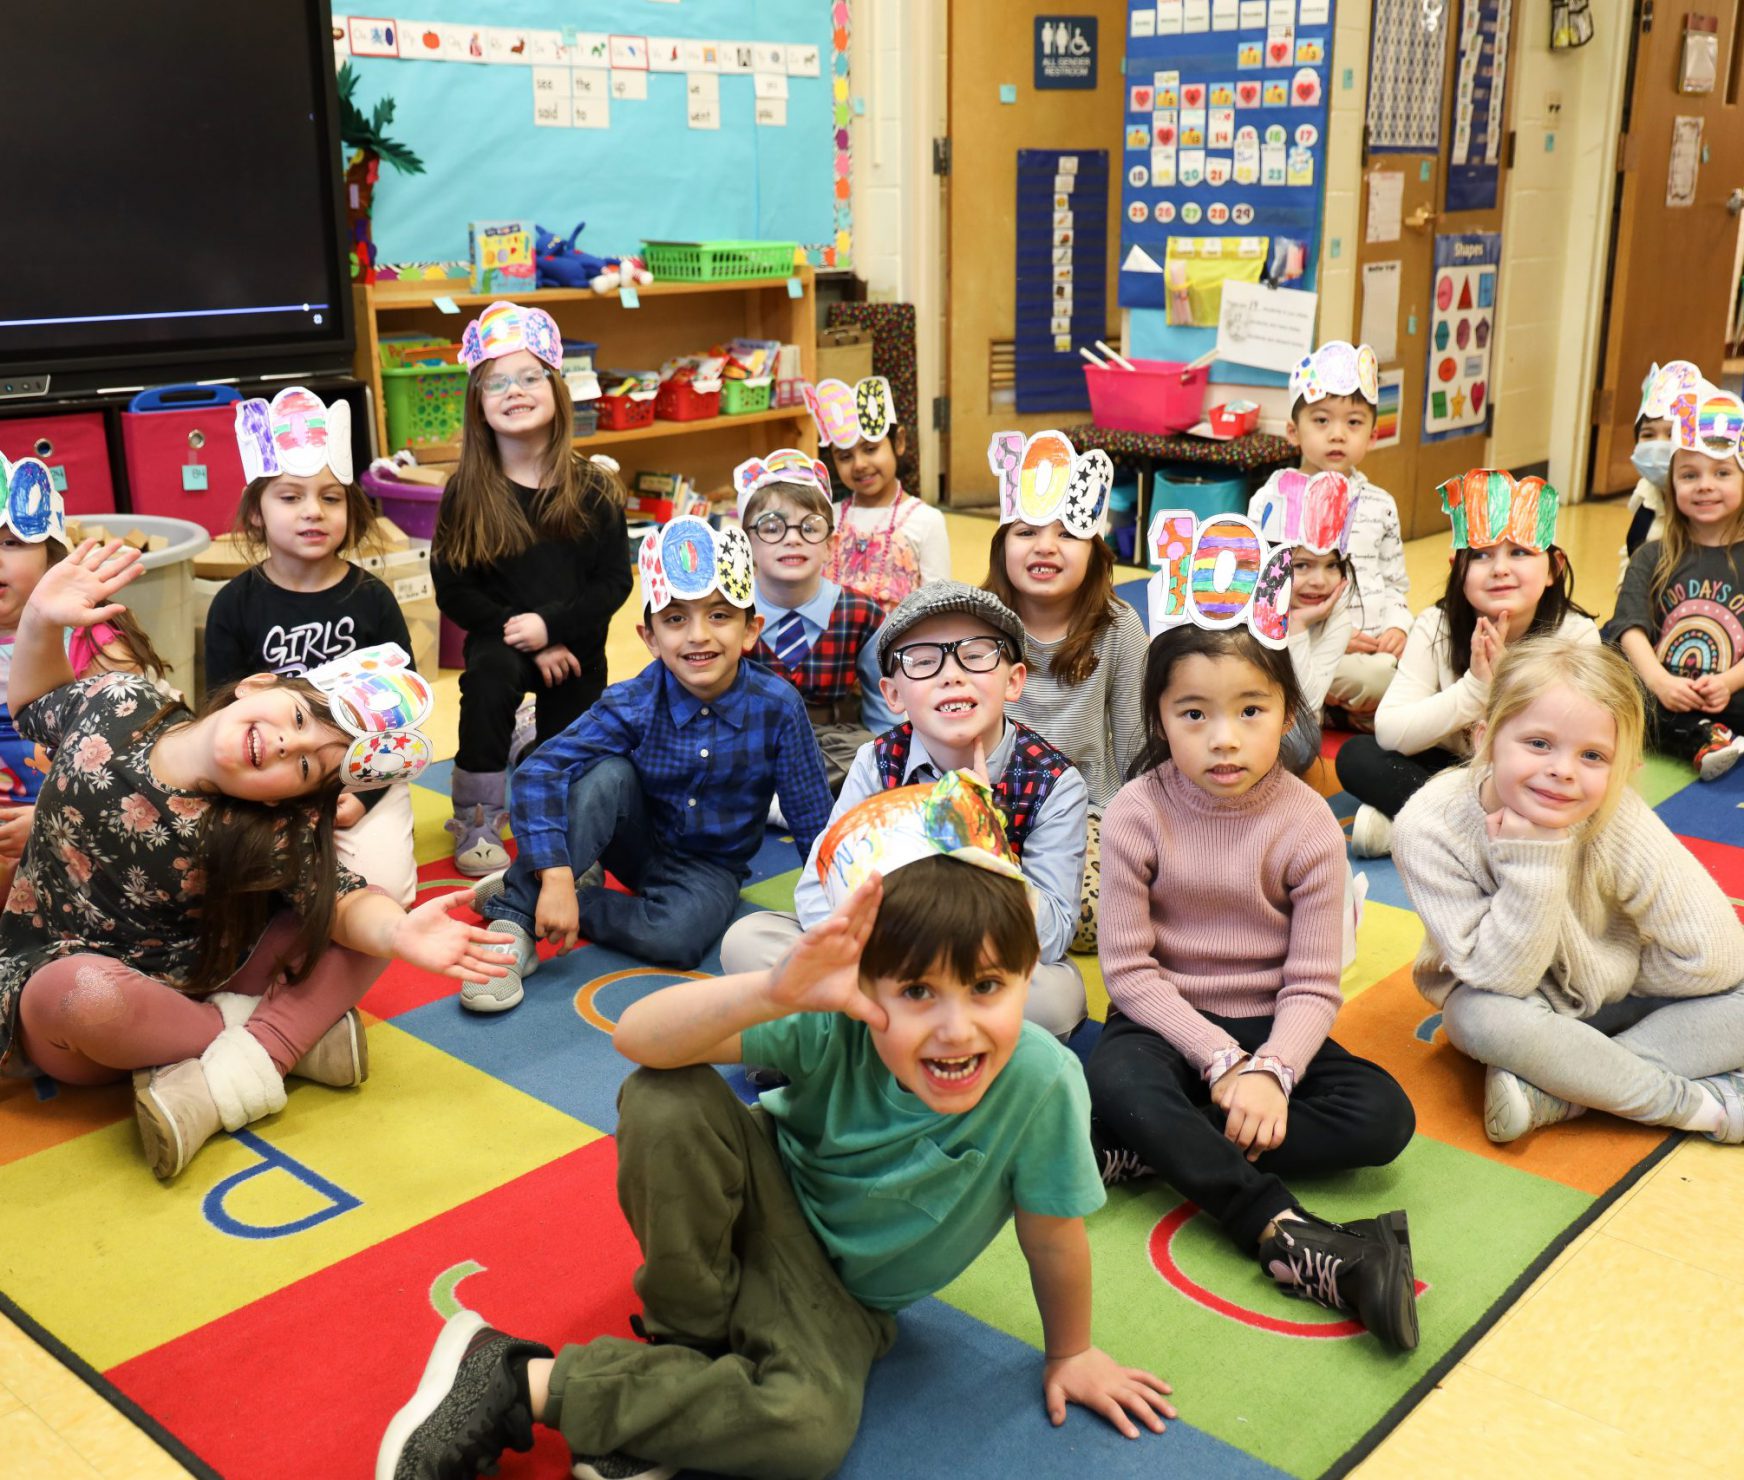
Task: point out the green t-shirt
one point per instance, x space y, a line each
904 1198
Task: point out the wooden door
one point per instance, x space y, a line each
1671 266
1412 469
992 47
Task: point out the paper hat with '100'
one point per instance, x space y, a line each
686 559
1218 574
1043 478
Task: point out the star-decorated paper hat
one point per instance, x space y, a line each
296 432
784 465
1338 368
687 559
850 414
1489 505
379 701
1314 511
1708 420
504 328
1663 385
1043 478
953 817
30 505
1218 574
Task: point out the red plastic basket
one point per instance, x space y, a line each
1156 396
681 401
624 413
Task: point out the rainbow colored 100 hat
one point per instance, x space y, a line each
1218 574
687 558
506 327
850 414
953 817
784 465
1043 478
30 504
1708 420
296 432
1489 506
379 701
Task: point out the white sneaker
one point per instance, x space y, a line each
1371 833
500 993
1513 1106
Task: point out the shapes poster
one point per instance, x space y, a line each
1225 133
1462 328
1480 89
1062 273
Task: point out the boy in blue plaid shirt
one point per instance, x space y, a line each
666 780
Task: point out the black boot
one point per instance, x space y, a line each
1364 1268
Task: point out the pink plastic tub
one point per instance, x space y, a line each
1156 397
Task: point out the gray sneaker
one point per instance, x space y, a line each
1728 1089
500 993
1512 1106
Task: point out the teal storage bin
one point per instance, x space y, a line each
1123 495
1205 497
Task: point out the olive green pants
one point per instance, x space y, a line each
760 1356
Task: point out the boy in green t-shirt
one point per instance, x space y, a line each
778 1242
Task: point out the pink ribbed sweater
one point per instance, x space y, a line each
1232 907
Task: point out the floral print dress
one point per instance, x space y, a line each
110 868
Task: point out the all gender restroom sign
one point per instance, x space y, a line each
1065 51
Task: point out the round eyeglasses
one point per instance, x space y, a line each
772 529
973 655
498 385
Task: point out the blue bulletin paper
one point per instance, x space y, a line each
1065 51
1062 273
1480 89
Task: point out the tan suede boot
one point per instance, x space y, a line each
339 1057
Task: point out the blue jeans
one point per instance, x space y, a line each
681 905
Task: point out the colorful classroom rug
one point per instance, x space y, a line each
264 1315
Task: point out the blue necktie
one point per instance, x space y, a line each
789 641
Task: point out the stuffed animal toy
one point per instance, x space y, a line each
561 264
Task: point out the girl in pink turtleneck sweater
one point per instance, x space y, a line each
1222 899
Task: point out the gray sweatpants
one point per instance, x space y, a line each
1056 991
1637 1058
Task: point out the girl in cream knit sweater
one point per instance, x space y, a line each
1574 946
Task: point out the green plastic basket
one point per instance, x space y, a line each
425 403
713 262
742 397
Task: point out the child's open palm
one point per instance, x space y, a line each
822 974
80 591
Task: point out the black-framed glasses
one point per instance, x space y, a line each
973 655
772 528
498 385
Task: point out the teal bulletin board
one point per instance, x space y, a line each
744 138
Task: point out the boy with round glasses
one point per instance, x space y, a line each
816 635
950 661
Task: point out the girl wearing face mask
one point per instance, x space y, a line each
1652 456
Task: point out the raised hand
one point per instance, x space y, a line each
822 972
80 591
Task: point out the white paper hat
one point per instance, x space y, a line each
1337 368
784 465
1218 574
849 414
296 432
379 701
1314 511
687 558
1044 478
30 505
1708 420
1663 385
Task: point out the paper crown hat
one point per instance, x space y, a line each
848 414
1044 478
30 505
1663 385
687 558
784 465
1489 505
296 432
1337 368
379 701
504 328
1708 420
1218 574
953 817
1314 511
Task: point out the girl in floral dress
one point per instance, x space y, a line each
179 914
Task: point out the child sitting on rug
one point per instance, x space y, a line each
1574 946
951 656
666 780
779 1242
1223 880
816 635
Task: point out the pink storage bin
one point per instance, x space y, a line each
1156 396
161 445
75 448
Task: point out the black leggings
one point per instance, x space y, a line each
1149 1097
491 689
1383 778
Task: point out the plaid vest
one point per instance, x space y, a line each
829 673
1020 791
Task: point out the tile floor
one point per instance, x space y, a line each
1622 1360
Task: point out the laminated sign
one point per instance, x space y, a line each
1065 51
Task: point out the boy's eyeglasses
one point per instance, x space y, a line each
498 385
772 529
973 655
